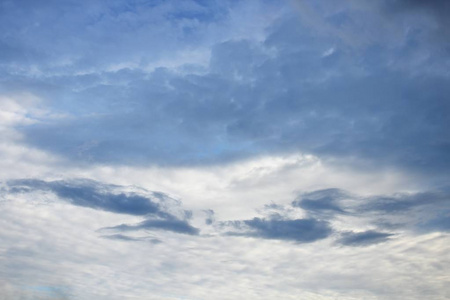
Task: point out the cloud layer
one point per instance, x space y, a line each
301 88
224 149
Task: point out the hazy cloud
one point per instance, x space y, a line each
322 201
178 226
365 238
126 238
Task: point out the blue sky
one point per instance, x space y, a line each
224 149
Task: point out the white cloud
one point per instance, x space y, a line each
60 243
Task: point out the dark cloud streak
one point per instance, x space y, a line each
126 238
91 194
96 195
178 226
298 230
366 238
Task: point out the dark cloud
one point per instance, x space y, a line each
157 207
247 102
365 238
322 201
418 212
297 90
174 225
298 230
384 118
439 10
210 216
402 203
92 194
438 7
440 223
336 201
126 238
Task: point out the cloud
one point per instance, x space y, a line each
164 211
94 195
38 28
298 230
287 98
321 133
126 238
439 8
72 255
174 225
402 203
440 223
415 212
365 238
319 214
322 201
210 218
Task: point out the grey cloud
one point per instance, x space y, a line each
386 118
440 8
365 238
322 201
341 201
405 202
161 211
437 10
298 230
72 36
440 223
91 194
210 217
418 212
126 238
174 225
276 96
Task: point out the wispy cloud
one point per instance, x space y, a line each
365 238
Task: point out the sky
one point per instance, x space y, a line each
223 150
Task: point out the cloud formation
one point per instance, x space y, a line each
179 226
322 201
274 95
95 195
365 238
161 211
122 237
333 212
307 140
299 230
